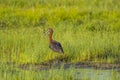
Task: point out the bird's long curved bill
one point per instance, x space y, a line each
45 33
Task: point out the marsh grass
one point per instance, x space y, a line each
88 31
28 45
85 33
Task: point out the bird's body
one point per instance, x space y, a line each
54 45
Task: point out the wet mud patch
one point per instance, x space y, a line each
55 64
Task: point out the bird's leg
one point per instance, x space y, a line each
55 58
59 58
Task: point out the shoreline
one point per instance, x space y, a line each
92 65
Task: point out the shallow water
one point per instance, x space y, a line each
96 74
86 73
79 72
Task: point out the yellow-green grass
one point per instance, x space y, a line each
28 45
88 30
75 12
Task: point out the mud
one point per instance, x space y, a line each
58 65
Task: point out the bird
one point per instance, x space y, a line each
54 45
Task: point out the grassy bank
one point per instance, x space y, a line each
88 30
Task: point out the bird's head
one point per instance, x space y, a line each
48 31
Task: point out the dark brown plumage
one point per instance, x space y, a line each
54 45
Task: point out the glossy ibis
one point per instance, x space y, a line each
54 45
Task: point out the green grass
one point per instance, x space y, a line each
28 45
88 30
8 72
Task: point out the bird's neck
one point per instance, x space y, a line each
50 37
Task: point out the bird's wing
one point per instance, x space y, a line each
59 46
